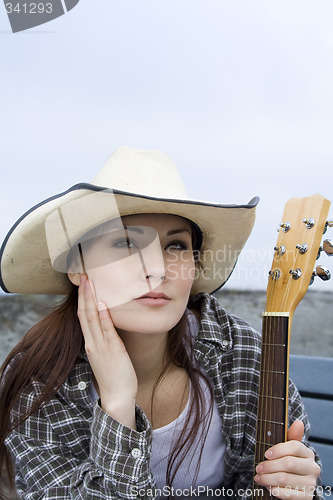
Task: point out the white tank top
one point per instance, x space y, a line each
211 471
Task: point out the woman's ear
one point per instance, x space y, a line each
74 278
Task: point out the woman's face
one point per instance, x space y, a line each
143 269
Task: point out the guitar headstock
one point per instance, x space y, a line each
296 251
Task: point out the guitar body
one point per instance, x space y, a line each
296 252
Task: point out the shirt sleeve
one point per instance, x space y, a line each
117 466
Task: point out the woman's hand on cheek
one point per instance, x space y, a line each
290 470
110 362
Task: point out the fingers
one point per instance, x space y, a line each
296 431
94 318
290 468
87 311
287 471
294 448
292 464
96 323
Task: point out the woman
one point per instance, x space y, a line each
139 384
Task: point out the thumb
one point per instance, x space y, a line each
296 431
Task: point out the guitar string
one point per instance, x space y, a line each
271 357
264 402
269 389
265 433
278 331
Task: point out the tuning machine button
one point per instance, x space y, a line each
327 248
281 250
309 223
285 226
302 248
329 223
274 274
296 273
322 272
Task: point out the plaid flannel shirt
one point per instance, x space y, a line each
72 449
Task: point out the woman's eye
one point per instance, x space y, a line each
124 243
177 245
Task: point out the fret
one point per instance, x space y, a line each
270 344
270 421
271 397
266 444
272 371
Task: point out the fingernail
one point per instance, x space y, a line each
259 468
101 306
268 453
257 478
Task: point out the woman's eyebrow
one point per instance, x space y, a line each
176 231
136 229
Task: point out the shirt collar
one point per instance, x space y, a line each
214 326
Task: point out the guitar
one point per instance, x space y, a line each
296 251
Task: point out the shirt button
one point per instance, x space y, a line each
136 453
225 344
81 385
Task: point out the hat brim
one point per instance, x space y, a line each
25 264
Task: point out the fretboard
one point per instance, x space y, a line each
273 388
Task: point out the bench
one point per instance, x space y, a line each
313 377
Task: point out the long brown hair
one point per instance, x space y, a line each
49 351
46 353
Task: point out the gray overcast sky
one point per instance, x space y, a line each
237 92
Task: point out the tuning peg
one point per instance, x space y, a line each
329 223
309 223
327 248
302 248
296 273
322 273
281 250
285 226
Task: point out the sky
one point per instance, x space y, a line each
238 93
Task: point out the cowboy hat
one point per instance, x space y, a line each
132 181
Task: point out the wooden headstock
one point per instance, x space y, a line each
296 251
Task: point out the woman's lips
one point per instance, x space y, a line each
153 299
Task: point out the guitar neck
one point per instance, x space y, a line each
296 251
272 417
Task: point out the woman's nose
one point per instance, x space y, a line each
152 276
154 272
153 263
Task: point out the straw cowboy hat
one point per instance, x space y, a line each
132 181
